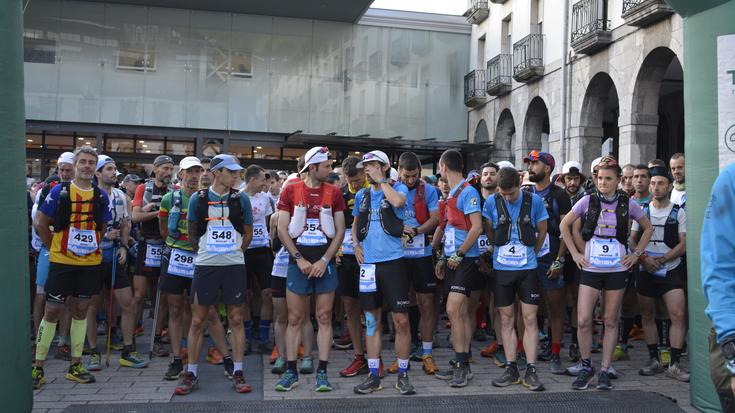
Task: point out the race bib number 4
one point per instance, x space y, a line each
367 278
82 241
604 253
221 239
312 234
181 263
153 254
414 247
260 236
513 255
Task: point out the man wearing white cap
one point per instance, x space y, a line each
572 178
311 225
118 232
65 166
220 228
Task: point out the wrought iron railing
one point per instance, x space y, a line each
477 4
628 5
474 85
499 71
588 16
528 52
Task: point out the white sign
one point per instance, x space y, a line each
726 98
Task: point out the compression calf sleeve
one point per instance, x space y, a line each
78 333
44 338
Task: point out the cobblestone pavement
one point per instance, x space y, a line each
124 385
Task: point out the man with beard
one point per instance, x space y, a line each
421 218
78 212
551 256
678 194
572 178
118 232
146 204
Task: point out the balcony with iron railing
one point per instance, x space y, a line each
499 75
528 58
477 11
498 1
590 26
641 13
474 88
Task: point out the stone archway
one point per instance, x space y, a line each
656 128
598 122
505 133
479 156
536 127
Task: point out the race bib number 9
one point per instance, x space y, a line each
604 253
153 254
367 278
82 241
513 255
221 239
181 263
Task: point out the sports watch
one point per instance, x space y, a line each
297 256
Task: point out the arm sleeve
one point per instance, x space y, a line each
247 209
716 252
138 199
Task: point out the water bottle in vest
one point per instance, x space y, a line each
296 226
326 220
174 215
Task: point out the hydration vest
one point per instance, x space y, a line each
390 223
151 227
298 220
671 226
233 206
589 225
421 210
453 216
62 219
555 194
526 231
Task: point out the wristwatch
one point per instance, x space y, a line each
637 253
297 256
459 253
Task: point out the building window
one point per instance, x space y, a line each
138 59
180 148
39 51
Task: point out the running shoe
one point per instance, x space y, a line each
574 354
612 373
582 381
621 353
522 362
460 375
133 360
307 366
603 381
531 380
95 362
357 366
344 342
214 356
63 353
274 355
428 364
555 365
116 342
39 379
500 359
187 384
370 385
545 353
636 334
575 369
489 350
159 350
509 376
229 367
403 385
238 382
665 356
279 367
652 368
175 368
288 381
322 382
675 372
393 369
417 352
79 374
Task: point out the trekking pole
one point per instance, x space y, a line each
155 321
109 308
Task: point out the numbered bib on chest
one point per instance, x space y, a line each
312 235
367 278
661 272
181 263
483 244
513 255
546 248
449 247
280 264
82 241
604 253
153 254
260 236
221 239
347 246
414 247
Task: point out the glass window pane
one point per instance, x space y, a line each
59 142
41 72
180 148
149 145
114 145
34 141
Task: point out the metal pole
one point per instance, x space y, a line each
15 386
155 320
109 311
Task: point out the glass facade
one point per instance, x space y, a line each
133 65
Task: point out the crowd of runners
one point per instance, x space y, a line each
237 260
